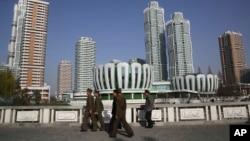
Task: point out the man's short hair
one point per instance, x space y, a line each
96 91
119 90
115 91
147 91
89 90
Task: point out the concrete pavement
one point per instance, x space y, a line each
204 132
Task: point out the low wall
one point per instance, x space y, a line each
163 113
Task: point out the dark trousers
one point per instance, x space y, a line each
126 126
148 116
85 121
100 119
111 123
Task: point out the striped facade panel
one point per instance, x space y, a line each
199 83
123 75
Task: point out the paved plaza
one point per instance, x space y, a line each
199 132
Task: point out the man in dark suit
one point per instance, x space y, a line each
98 109
112 119
120 114
149 106
89 112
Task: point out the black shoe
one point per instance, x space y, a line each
150 126
93 130
101 129
111 136
84 130
130 135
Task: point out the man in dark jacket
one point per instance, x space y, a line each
149 106
98 109
112 119
120 114
89 112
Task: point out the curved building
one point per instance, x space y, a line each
155 43
133 78
84 64
179 46
196 83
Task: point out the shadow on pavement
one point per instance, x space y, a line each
145 138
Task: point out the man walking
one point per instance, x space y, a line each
149 106
112 119
120 114
89 112
98 109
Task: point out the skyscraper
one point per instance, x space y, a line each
179 46
27 46
154 35
64 77
232 56
84 64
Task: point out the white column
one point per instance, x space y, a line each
207 114
1 120
134 111
219 112
13 116
249 110
164 115
80 120
213 113
129 115
177 113
52 116
7 116
41 116
171 114
46 115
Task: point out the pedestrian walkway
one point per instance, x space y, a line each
202 132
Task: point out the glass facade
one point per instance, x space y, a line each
154 34
15 44
179 46
84 64
27 46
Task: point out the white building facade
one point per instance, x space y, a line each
196 83
155 43
84 64
132 78
179 46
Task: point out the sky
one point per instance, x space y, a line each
117 27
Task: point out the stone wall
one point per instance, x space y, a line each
163 113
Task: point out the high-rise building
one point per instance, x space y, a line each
232 56
179 46
84 65
64 78
27 46
155 44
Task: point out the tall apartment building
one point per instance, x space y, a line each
84 65
179 46
232 56
155 44
27 46
64 78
